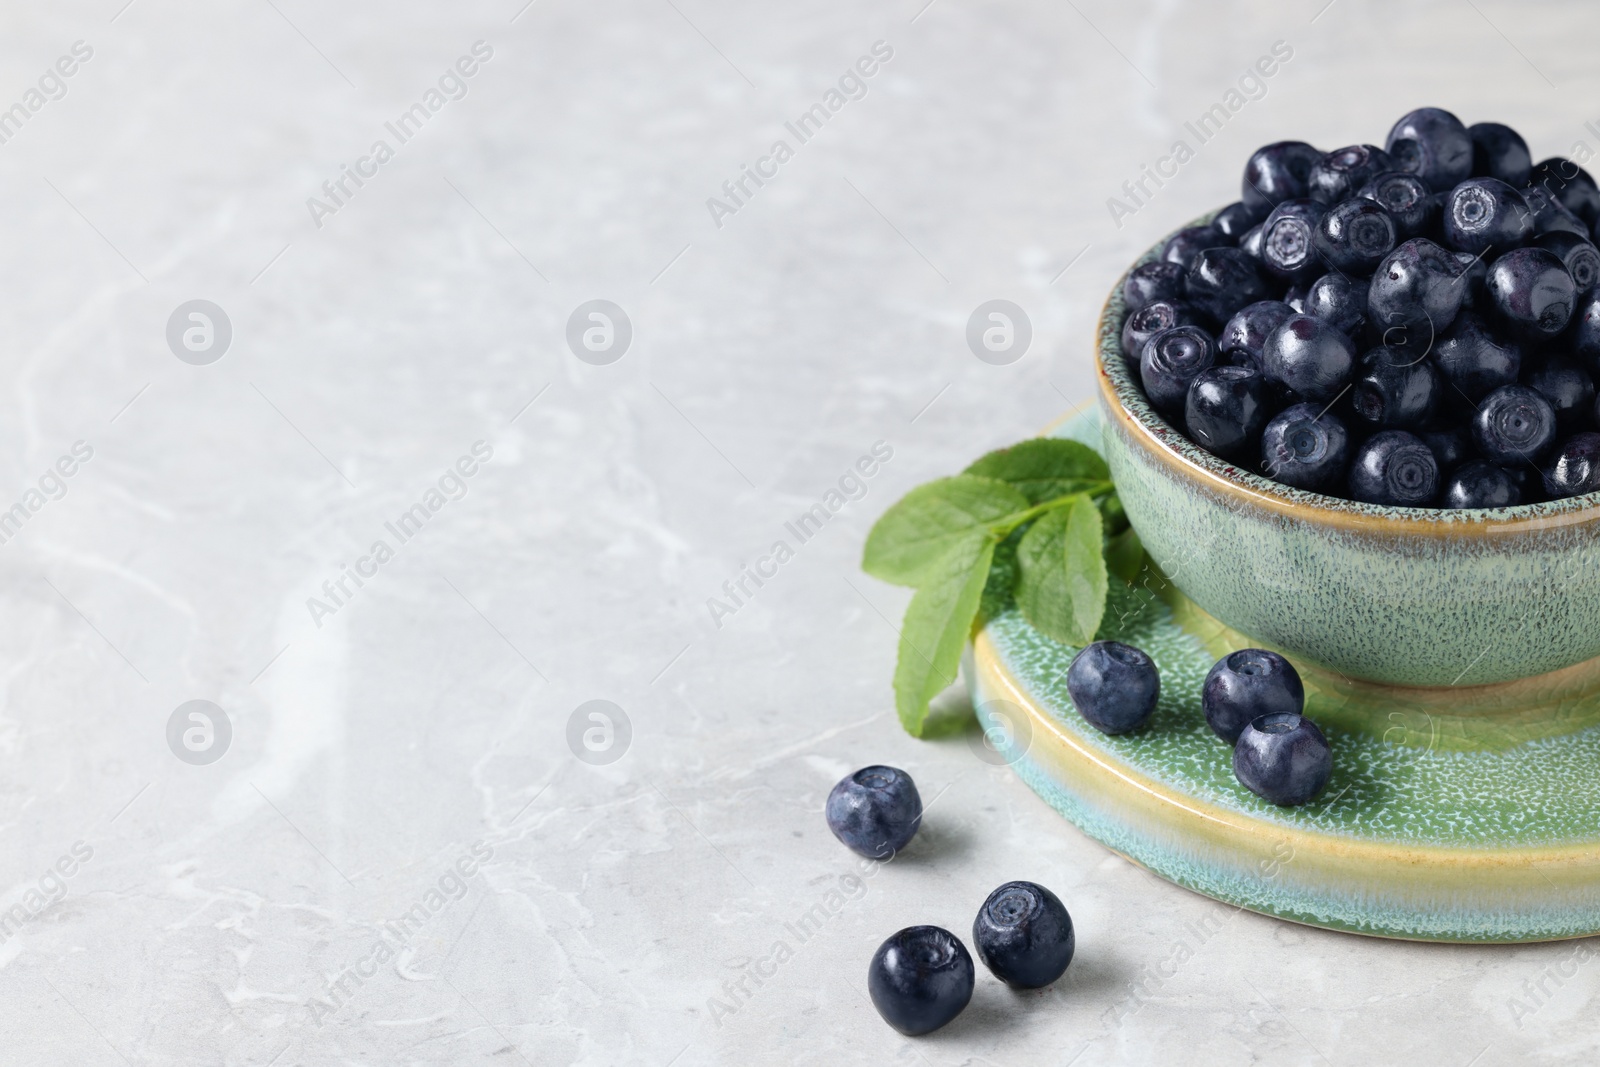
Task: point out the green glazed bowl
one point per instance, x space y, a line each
1401 596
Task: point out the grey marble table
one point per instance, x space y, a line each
395 510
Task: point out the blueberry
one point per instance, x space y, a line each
1498 151
1235 220
920 979
1530 486
1241 339
1531 292
1354 235
1337 175
1246 685
1514 425
1416 292
1574 468
1114 686
1449 446
1288 247
1549 216
1150 320
1306 447
1486 215
1571 186
1170 361
1312 358
1396 389
1432 144
1584 330
1473 361
1477 484
1183 246
1395 469
1024 935
1406 198
1277 172
1149 282
1295 297
1338 299
1250 243
1283 758
1578 254
1568 387
1221 281
1226 410
875 811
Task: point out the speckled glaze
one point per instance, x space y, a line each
1463 814
1396 595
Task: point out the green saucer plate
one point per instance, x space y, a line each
1460 814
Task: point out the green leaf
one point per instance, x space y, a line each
997 591
1044 468
1062 589
1116 519
937 625
907 543
1125 554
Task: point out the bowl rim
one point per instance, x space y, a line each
1126 404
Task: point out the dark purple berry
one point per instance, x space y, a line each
1485 215
1283 758
1355 235
1170 361
1569 388
920 979
1498 151
1226 410
875 811
1432 144
1288 247
1149 282
1569 184
1585 330
1241 339
1246 685
1395 389
1473 361
1449 447
1309 357
1250 243
1578 254
1183 246
1235 220
1307 447
1394 469
1416 292
1514 425
1113 686
1338 299
1574 468
1150 320
1531 292
1477 484
1337 175
1221 281
1406 198
1277 172
1024 935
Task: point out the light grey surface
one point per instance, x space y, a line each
430 711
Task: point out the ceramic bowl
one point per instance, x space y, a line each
1401 596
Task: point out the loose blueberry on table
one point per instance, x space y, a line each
1024 935
875 811
1423 320
920 979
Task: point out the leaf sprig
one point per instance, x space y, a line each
1039 522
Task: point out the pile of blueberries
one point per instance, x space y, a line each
922 977
1416 325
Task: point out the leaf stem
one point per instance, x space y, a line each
1011 522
